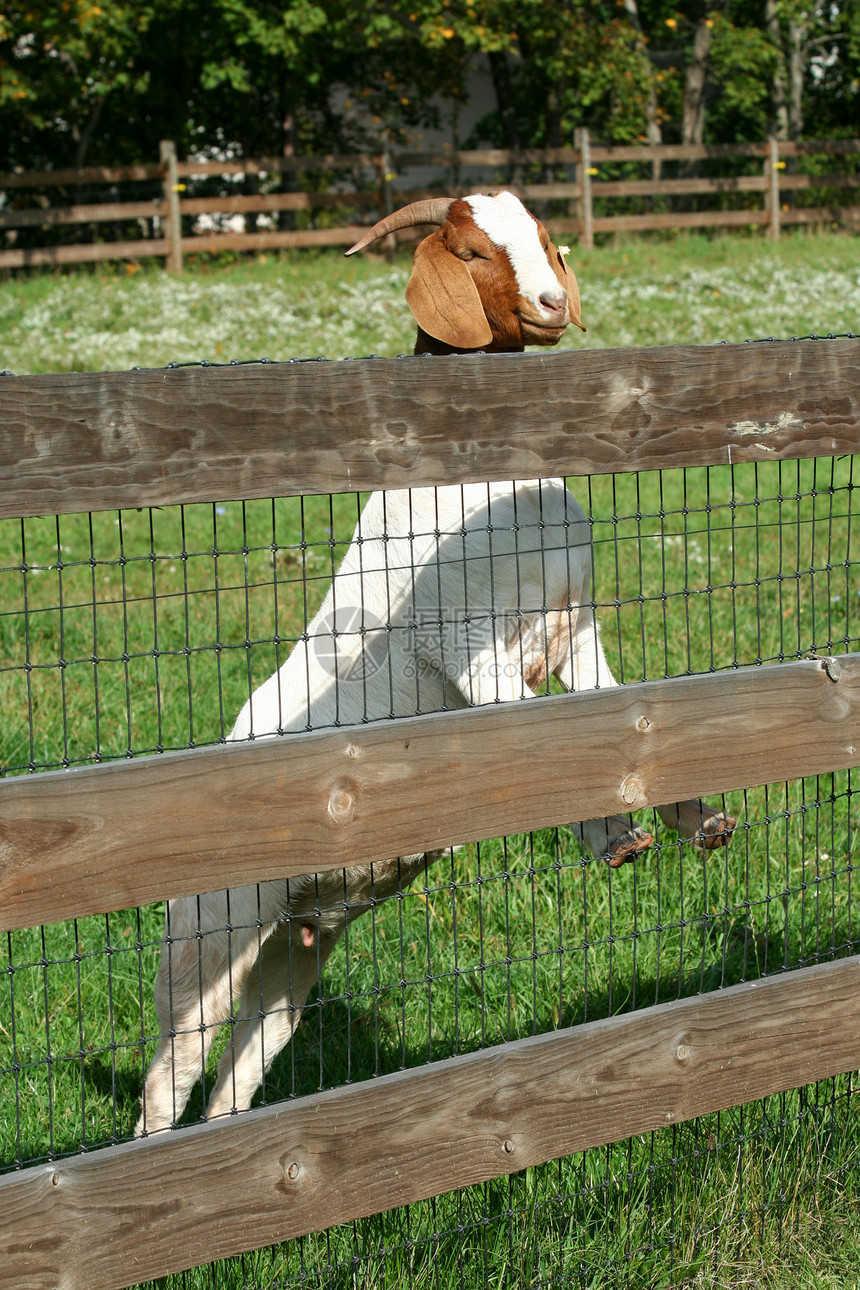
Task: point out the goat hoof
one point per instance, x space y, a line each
715 832
629 847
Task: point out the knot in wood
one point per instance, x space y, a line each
683 1048
630 790
341 801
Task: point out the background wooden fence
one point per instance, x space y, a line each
73 841
787 183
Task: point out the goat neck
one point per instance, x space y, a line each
426 344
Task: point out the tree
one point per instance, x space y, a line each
554 67
82 81
61 63
653 131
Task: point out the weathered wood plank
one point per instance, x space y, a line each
837 146
271 240
646 153
150 438
680 219
82 841
408 157
278 165
41 255
95 214
821 215
683 151
84 175
678 187
275 202
104 1221
790 182
111 211
484 157
200 243
707 219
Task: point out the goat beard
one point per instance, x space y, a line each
511 331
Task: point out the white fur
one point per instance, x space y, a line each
497 578
506 222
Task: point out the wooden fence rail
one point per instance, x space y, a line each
72 842
92 441
369 189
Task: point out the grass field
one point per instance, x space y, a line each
692 290
129 632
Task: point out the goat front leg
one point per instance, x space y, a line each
494 674
584 667
615 838
704 826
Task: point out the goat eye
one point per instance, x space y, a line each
466 254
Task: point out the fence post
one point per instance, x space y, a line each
173 223
772 193
586 212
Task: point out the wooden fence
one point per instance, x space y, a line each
72 842
362 183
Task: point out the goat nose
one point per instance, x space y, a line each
554 301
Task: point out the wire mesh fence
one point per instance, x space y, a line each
140 631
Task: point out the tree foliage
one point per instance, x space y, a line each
83 82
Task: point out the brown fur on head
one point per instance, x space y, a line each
464 291
489 278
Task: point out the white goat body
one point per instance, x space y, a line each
450 597
465 584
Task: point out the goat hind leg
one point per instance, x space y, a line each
273 996
198 978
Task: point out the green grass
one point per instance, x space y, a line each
690 290
157 646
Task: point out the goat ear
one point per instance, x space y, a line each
568 280
443 298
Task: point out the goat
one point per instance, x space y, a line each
446 597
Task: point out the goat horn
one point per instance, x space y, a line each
432 210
